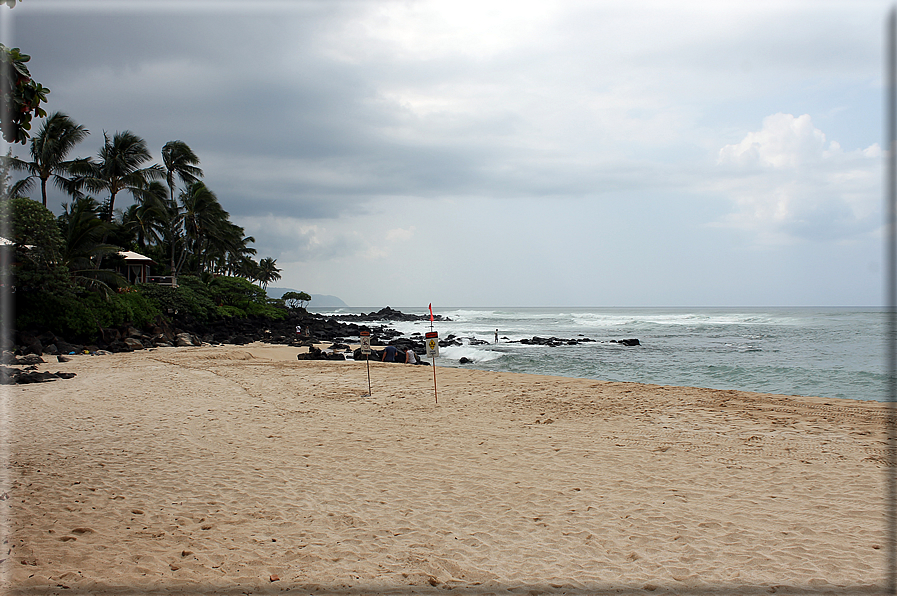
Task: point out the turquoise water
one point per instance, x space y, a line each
826 352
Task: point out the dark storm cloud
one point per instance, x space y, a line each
277 121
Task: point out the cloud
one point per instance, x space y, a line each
783 142
788 183
400 235
294 240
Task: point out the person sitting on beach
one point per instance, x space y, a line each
389 354
410 357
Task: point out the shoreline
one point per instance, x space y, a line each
215 469
288 354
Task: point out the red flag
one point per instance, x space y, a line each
431 312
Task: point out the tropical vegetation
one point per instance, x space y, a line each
21 96
66 269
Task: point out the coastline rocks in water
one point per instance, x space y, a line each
465 360
554 341
389 314
557 341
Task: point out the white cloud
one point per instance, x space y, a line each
788 183
400 235
783 142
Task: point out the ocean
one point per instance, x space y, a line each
825 352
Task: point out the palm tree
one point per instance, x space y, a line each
57 136
268 271
239 261
118 169
179 161
206 224
147 218
84 245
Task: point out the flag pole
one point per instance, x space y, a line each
433 353
368 362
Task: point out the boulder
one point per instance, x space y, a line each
183 340
30 344
110 335
28 359
41 377
133 344
118 346
66 348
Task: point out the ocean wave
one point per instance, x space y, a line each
472 353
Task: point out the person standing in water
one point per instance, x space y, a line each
496 336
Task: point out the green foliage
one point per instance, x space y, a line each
49 148
266 310
61 312
33 225
82 315
244 296
191 297
38 246
226 312
131 307
21 96
296 299
118 168
222 297
235 291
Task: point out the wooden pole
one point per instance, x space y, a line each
368 363
435 394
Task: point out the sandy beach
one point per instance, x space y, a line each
240 470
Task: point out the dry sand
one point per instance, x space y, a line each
242 470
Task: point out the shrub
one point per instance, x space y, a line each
191 297
82 315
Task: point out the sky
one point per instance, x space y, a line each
506 153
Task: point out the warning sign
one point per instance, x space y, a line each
365 342
432 342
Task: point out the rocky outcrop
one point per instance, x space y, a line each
389 314
28 374
185 332
319 354
10 376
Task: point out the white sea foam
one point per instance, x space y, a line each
829 352
472 353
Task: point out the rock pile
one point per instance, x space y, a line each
28 373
